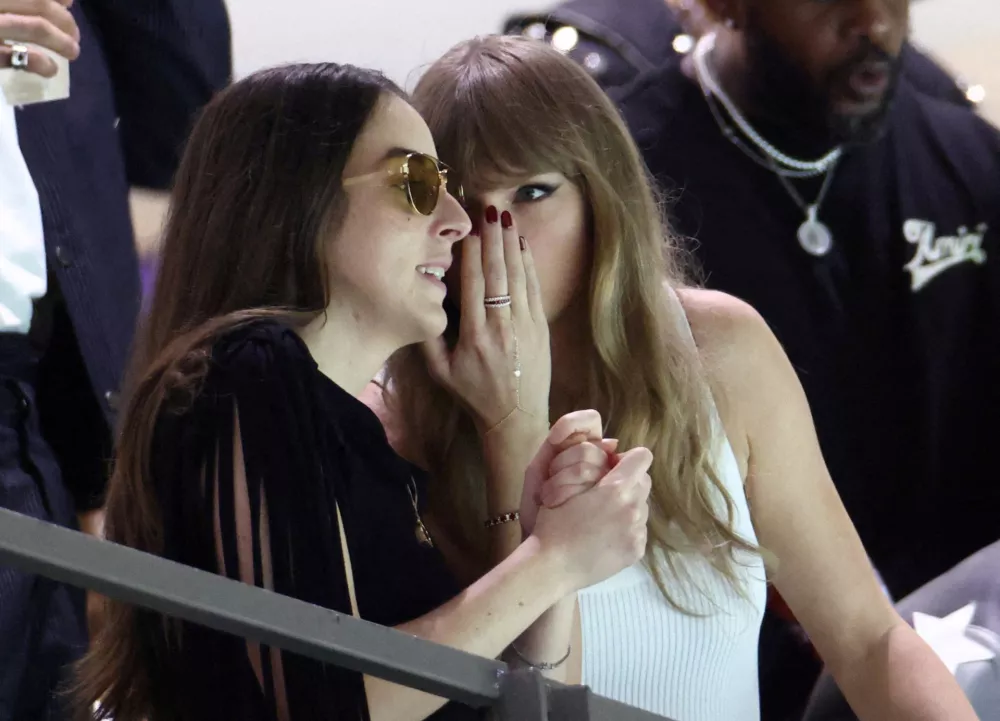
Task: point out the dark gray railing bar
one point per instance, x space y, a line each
253 613
205 598
524 697
572 703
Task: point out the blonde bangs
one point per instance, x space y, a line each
491 125
503 108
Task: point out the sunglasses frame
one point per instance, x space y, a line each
400 177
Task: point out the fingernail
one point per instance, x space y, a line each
506 219
474 230
491 214
523 242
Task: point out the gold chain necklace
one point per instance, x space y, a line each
420 531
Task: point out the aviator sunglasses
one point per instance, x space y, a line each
421 177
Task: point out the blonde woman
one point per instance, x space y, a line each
695 376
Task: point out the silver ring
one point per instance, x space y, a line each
19 57
497 301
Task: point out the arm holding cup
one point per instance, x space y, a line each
48 24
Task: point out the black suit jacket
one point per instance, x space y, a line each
146 67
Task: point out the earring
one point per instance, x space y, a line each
729 23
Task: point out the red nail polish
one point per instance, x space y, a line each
523 242
474 230
506 219
491 214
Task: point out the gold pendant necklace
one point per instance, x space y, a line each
420 531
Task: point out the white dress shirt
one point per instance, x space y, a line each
22 243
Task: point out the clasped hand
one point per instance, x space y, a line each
588 499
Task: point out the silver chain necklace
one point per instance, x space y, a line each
814 236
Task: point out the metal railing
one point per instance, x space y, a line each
259 615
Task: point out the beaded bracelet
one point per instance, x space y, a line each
503 518
542 666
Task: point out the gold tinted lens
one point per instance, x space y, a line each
454 187
423 183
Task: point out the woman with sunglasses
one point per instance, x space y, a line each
308 236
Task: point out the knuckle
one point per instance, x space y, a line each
575 473
10 24
480 342
35 25
645 484
506 334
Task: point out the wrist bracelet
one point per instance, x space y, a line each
542 666
503 420
503 518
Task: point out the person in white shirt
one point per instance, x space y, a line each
42 626
69 278
22 246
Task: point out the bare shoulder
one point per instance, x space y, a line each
744 364
734 342
721 323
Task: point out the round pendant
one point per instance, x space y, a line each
815 238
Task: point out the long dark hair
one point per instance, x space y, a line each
256 200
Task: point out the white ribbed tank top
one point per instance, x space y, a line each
639 650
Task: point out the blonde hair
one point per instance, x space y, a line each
504 107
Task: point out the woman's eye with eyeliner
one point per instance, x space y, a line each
533 193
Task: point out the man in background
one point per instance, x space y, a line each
141 71
618 41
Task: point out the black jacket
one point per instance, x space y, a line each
146 67
895 333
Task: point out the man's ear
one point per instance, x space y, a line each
731 13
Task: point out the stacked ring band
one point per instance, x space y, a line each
497 301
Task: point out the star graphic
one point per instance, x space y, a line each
946 636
